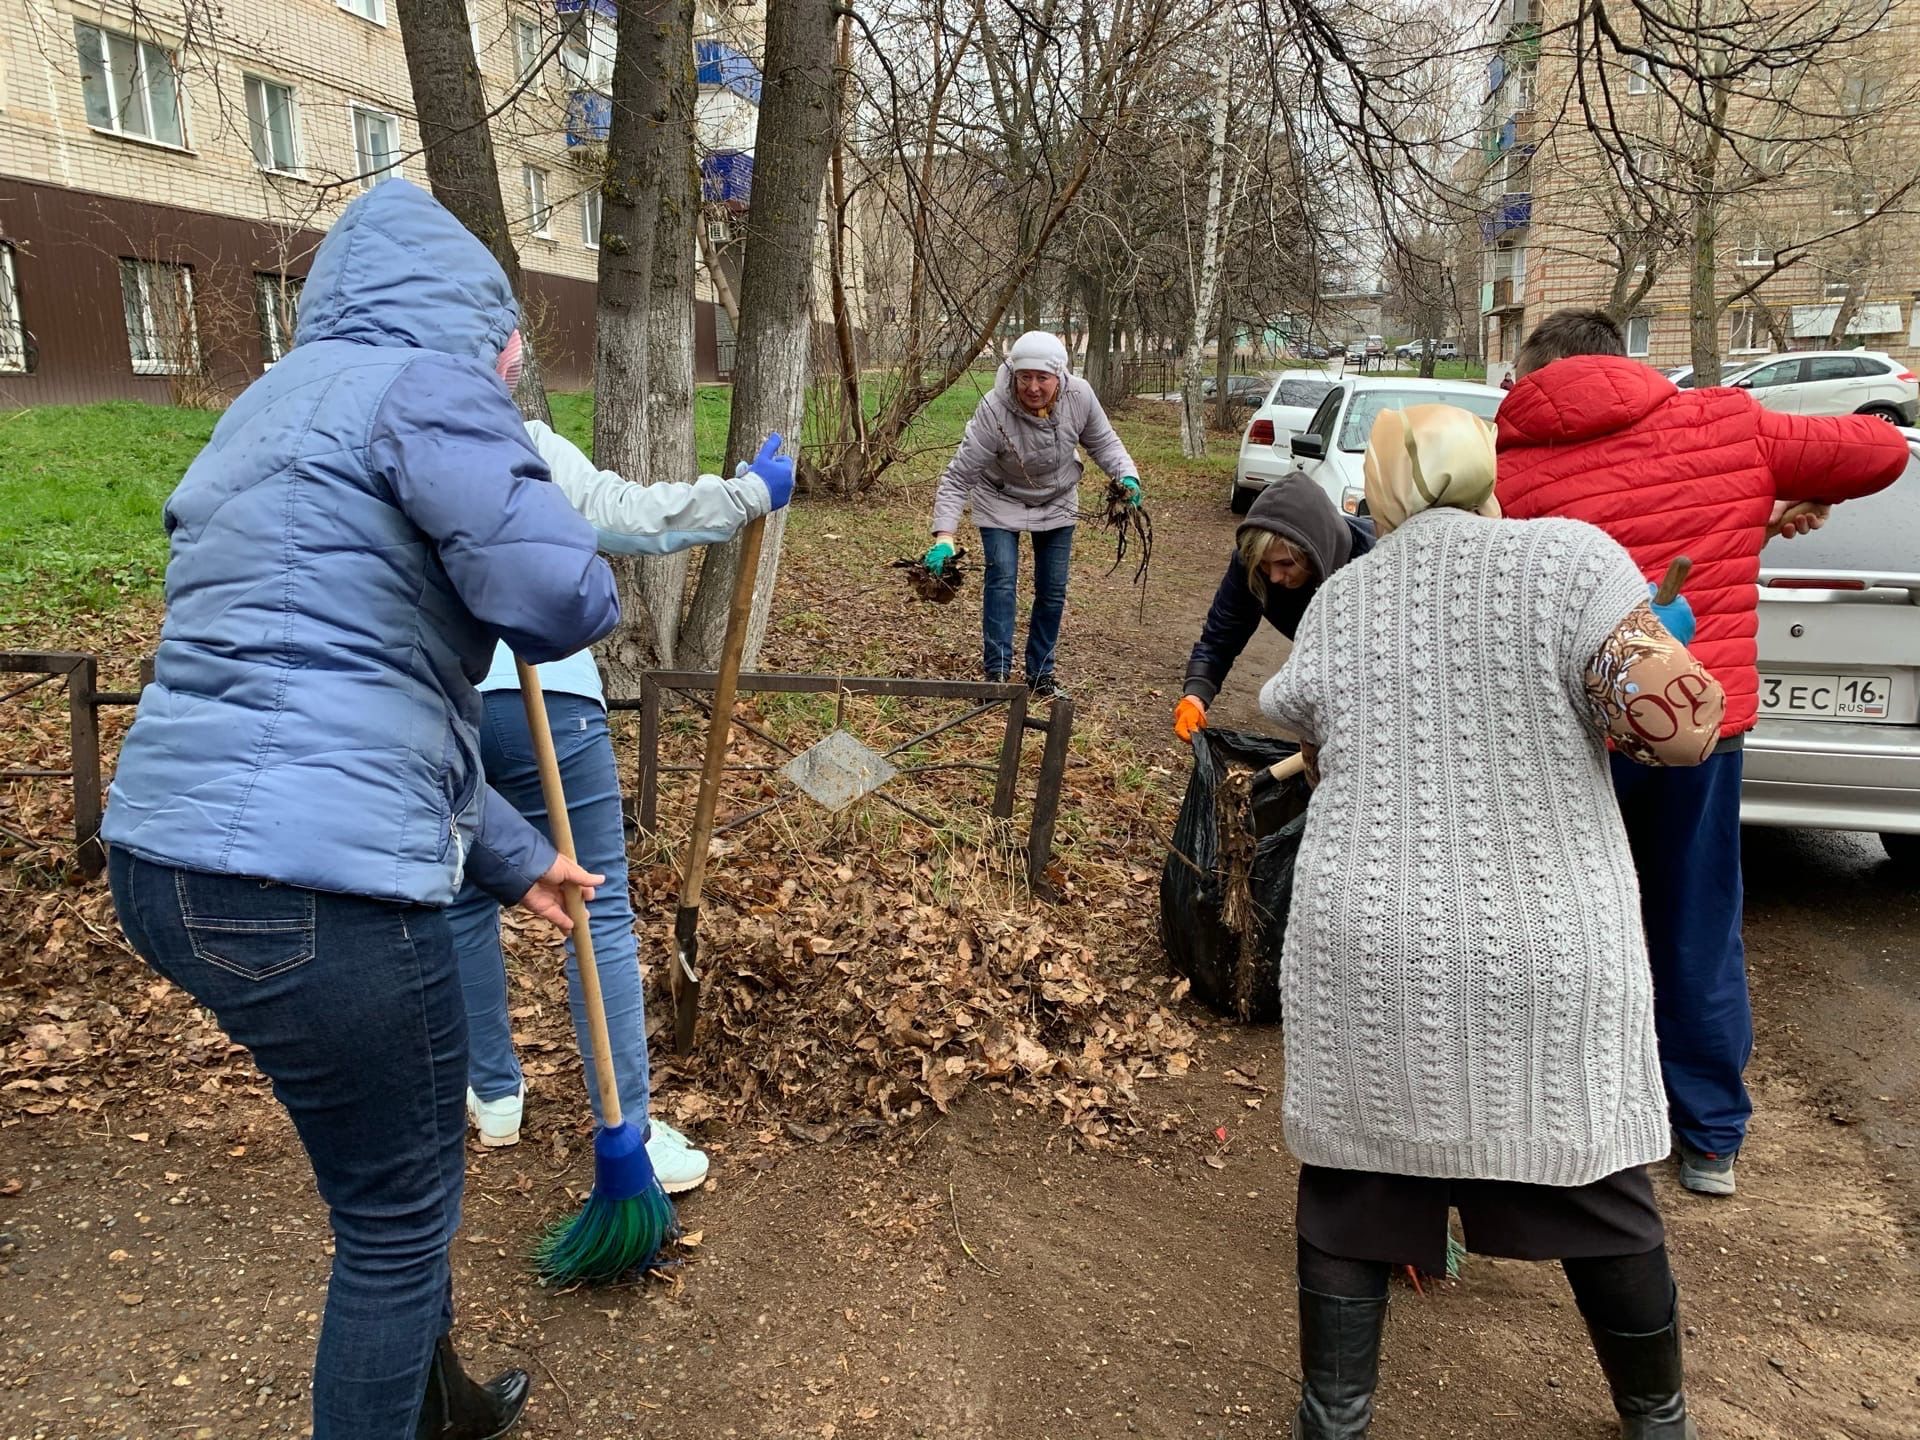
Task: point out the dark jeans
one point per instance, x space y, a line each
1051 551
1684 825
352 1008
585 752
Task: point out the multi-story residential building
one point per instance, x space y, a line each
166 169
1574 214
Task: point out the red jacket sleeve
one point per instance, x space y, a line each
1827 458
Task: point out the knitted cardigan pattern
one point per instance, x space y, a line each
1465 976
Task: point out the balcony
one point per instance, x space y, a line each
589 117
726 178
1510 213
721 65
1499 296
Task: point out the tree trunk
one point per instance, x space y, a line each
630 203
1099 366
1223 366
799 98
856 418
1193 427
1703 304
717 273
451 109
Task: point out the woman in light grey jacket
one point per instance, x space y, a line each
1019 469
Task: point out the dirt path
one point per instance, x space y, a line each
979 1274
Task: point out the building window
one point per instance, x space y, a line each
590 219
539 213
376 146
1754 250
1639 336
277 298
1836 287
1639 76
1855 197
719 231
13 333
130 86
587 53
270 123
527 45
374 10
161 335
1749 335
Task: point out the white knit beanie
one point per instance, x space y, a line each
1037 350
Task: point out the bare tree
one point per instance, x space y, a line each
1206 264
452 113
797 122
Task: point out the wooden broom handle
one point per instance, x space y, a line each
738 613
1671 582
562 827
1294 764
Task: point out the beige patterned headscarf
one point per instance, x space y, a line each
1427 456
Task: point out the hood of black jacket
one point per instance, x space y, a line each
1298 510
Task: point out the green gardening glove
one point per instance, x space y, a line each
1132 486
937 557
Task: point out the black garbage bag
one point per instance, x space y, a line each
1226 888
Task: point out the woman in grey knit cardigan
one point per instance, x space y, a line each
1469 1009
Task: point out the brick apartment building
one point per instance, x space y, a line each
167 168
1552 207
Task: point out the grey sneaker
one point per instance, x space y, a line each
1045 687
1705 1174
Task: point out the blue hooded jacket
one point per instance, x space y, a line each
367 521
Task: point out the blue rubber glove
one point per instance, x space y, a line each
937 557
1677 617
775 471
1132 486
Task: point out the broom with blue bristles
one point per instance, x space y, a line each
628 1217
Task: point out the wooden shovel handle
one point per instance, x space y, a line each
1671 582
1294 764
558 822
724 685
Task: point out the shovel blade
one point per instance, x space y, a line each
685 977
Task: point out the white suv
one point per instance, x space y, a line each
1264 456
1834 382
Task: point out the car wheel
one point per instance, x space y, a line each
1903 850
1241 500
1884 412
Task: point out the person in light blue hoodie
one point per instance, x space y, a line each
301 794
629 519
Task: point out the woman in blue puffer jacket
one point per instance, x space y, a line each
301 792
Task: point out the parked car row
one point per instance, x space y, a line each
1823 382
1837 745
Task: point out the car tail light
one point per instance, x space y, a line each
1803 582
1260 433
1906 377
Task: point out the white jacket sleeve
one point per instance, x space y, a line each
655 519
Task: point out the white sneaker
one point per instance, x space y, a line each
677 1163
498 1120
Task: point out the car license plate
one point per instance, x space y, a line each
1826 697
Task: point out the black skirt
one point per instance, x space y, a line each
1402 1219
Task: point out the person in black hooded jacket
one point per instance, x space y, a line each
1292 539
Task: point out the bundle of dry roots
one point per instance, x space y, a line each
1131 524
926 584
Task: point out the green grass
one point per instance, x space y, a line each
81 491
82 486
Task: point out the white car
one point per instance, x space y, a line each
1837 746
1834 382
1331 445
1264 456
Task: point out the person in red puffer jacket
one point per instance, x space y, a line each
1710 474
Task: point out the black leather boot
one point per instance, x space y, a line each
1340 1365
1645 1374
458 1408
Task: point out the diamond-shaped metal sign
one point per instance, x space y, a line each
838 771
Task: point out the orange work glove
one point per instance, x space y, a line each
1188 716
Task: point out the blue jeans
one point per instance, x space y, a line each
1051 551
584 748
352 1009
1684 825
